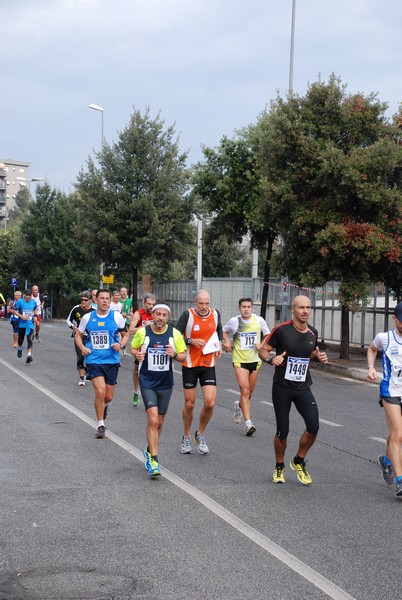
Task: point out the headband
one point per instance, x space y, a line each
161 305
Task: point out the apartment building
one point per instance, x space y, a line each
14 175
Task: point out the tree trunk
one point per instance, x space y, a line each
267 273
344 353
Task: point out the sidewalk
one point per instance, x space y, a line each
354 368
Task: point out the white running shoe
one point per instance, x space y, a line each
202 447
81 381
237 414
250 428
186 445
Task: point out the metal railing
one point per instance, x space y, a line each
326 311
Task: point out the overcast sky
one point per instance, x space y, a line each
208 66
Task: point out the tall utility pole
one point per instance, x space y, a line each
100 109
292 47
284 281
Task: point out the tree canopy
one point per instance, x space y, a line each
47 244
332 169
229 184
136 202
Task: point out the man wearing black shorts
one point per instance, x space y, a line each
295 343
73 320
202 330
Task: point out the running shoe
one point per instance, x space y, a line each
398 488
237 414
37 337
186 445
153 468
302 474
147 458
387 473
19 352
250 428
136 399
202 447
29 358
101 432
81 381
279 475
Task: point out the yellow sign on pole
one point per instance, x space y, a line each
108 278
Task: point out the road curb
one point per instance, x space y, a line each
343 371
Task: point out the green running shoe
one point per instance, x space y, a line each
302 474
279 475
153 468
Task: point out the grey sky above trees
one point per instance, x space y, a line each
210 67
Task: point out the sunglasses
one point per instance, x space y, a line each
84 299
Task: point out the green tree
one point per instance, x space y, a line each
138 209
331 167
48 248
21 206
222 256
229 185
6 268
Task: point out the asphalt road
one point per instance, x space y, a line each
81 518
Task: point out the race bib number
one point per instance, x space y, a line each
100 340
248 340
397 373
296 368
158 360
28 313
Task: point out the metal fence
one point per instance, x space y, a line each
326 311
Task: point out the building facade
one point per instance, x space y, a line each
14 176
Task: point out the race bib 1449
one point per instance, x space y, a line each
296 368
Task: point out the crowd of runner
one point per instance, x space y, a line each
103 324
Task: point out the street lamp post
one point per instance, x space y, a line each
285 281
31 181
292 47
99 109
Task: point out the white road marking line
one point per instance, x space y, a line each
376 439
233 391
330 423
332 590
265 402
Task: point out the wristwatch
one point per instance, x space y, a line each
188 341
268 360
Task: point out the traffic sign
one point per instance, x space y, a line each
108 278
